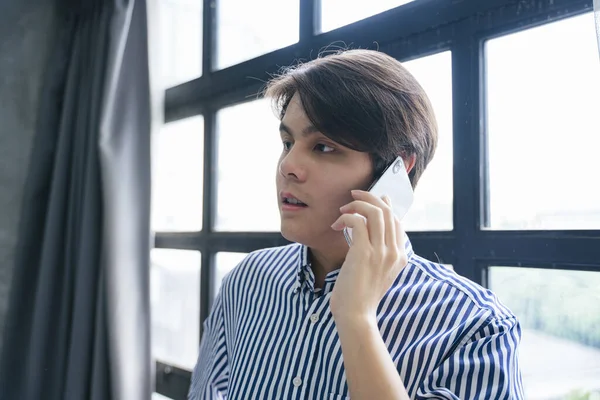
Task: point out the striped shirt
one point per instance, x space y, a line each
271 335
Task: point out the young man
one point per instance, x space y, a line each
319 319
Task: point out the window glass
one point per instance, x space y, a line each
432 206
559 311
177 168
543 99
180 41
248 29
248 150
337 13
175 306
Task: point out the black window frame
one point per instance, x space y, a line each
413 30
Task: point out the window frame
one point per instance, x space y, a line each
413 30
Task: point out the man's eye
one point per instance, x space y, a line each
324 148
287 145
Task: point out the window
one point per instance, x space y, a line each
337 13
177 154
559 311
543 103
247 29
540 88
225 263
248 150
175 305
180 41
432 206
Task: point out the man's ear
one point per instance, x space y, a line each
409 162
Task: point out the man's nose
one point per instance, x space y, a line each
292 166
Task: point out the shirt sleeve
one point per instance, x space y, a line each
211 374
486 366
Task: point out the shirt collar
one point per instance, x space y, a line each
304 266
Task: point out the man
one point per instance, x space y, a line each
319 319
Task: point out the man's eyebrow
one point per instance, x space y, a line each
311 129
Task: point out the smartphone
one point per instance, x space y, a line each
395 183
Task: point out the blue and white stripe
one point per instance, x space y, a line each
270 334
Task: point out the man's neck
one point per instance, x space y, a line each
325 261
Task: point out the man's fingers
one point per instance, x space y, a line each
375 219
399 233
401 242
369 198
390 223
384 206
356 222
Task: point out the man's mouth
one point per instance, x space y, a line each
288 198
293 201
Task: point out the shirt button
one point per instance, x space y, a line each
297 381
314 318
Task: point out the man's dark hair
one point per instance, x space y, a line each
365 100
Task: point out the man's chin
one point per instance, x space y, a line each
291 234
297 233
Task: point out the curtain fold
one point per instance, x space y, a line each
78 319
597 19
125 161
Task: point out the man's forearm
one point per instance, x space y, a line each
370 371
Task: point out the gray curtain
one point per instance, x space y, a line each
597 18
79 320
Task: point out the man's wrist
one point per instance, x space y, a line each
356 321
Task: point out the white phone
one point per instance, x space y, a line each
395 183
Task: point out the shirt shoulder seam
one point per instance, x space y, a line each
492 311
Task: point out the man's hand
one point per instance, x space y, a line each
372 264
374 260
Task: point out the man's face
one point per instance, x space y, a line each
319 173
